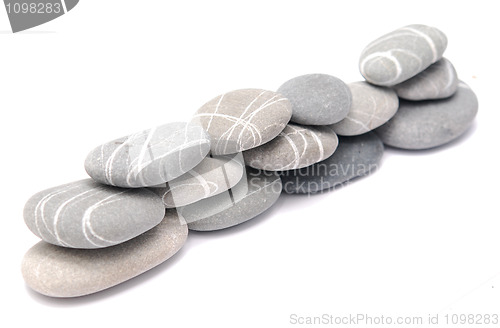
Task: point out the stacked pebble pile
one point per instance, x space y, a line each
235 157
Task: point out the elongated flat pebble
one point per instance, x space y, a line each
297 146
317 99
371 107
438 81
211 177
66 272
402 54
254 195
430 123
355 157
86 214
243 119
150 157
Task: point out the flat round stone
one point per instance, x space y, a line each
86 214
66 272
317 99
243 119
371 107
150 157
430 123
355 157
211 177
401 54
249 198
438 81
297 146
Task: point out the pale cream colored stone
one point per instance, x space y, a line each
66 272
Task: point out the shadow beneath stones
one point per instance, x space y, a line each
454 143
110 292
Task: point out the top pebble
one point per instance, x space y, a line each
402 54
150 157
317 99
243 119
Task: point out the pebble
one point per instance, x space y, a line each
317 99
67 272
438 81
355 156
211 177
150 157
243 119
371 107
297 146
402 54
86 214
249 198
430 123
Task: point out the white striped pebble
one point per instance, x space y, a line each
254 194
371 107
401 54
438 81
296 147
211 177
150 157
86 214
243 119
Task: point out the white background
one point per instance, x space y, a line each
420 236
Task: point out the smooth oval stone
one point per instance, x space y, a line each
371 107
430 123
211 177
297 146
86 214
150 157
67 272
438 81
254 194
402 54
317 99
243 119
355 157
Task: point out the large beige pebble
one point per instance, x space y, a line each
66 272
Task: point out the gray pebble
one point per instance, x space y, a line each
317 99
249 198
355 156
297 146
86 214
402 54
150 157
67 272
371 107
438 81
243 119
211 177
430 123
